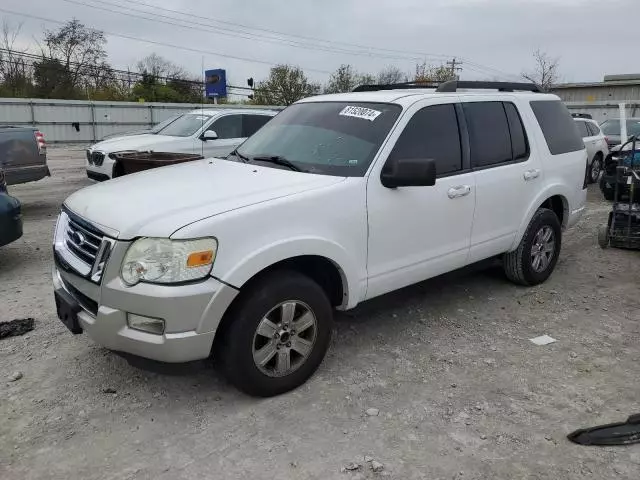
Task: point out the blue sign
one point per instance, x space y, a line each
215 83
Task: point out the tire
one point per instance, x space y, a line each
603 236
244 346
521 266
595 169
607 192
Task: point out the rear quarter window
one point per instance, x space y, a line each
559 128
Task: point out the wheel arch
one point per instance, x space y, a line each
554 199
324 261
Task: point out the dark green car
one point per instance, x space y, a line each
10 215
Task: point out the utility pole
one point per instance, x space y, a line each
455 67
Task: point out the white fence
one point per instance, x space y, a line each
86 121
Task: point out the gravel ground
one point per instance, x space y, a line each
459 391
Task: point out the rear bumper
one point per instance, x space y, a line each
32 173
576 214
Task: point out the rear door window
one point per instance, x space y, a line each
252 123
582 128
593 129
432 133
558 127
489 138
519 141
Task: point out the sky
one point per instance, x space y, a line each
494 39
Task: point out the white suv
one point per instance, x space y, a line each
338 199
596 145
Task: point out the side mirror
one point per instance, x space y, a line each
209 135
409 172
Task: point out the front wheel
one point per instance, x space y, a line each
278 333
537 254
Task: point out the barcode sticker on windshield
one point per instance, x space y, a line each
360 112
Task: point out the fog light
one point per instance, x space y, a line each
145 324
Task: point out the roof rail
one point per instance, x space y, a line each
454 85
394 86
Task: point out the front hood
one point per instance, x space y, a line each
135 142
156 203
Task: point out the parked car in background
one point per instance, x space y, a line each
595 143
23 154
611 130
155 129
621 155
337 200
210 133
10 219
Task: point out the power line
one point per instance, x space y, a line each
163 44
416 56
192 25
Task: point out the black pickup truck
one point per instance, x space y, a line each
23 154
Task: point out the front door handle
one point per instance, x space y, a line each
531 174
459 191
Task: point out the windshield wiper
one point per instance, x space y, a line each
242 157
278 160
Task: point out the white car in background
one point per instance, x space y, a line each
596 145
211 133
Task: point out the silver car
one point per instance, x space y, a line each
596 145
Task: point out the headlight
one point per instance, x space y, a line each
160 260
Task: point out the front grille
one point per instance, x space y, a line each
83 240
97 158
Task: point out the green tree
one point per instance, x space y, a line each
286 84
429 73
346 78
52 79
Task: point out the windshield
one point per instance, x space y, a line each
159 126
185 125
330 138
612 127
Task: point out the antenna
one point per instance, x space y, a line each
204 81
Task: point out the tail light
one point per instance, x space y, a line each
587 169
42 146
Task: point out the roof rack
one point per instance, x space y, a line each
454 85
395 86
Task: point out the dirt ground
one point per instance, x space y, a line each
461 391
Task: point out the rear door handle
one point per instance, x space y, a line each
531 174
459 191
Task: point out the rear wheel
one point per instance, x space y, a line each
537 254
596 168
277 335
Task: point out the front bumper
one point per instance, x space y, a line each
191 312
100 172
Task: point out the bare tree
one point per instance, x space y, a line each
15 70
286 84
546 72
78 48
391 74
158 66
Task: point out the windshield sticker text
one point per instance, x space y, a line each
360 112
